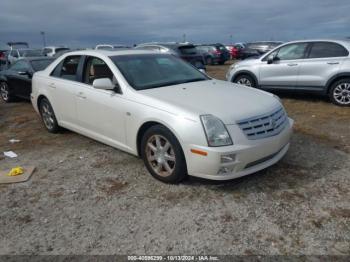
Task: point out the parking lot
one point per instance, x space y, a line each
86 197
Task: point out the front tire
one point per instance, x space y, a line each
245 80
163 155
48 116
5 93
339 93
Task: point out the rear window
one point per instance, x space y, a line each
188 50
327 49
39 65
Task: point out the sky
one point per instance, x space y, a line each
85 23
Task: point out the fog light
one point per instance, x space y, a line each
228 158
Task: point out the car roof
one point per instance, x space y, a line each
345 42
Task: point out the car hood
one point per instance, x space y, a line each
228 101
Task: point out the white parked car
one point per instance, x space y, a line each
54 50
162 109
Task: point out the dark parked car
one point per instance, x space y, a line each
209 53
16 81
220 50
244 52
263 47
187 52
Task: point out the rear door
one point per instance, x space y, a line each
323 61
283 72
63 86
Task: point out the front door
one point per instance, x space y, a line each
283 72
101 113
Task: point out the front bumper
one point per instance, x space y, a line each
250 156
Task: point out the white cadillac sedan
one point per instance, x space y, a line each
158 107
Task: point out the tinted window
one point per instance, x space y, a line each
20 66
95 68
152 71
324 49
188 50
292 51
39 65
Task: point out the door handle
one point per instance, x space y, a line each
292 64
81 95
333 63
52 85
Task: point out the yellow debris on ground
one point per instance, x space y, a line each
16 171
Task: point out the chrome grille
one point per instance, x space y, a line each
265 125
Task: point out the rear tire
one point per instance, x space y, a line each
163 155
48 116
245 80
5 93
339 92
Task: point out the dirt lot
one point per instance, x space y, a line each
86 197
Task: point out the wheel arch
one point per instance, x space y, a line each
245 72
334 79
148 124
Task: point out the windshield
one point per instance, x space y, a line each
30 53
151 71
39 65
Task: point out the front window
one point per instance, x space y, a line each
292 51
151 71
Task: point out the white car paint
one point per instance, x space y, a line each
115 119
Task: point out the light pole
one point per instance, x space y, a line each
44 38
184 38
231 39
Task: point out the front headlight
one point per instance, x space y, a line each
215 131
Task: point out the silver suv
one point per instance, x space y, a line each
321 66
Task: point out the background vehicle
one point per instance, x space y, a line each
52 51
220 50
17 80
186 51
209 53
16 54
110 47
161 108
321 66
3 56
233 51
264 46
243 52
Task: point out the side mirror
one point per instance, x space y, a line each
103 83
202 71
271 60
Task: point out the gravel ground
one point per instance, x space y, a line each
86 197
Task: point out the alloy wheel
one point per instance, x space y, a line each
47 115
341 93
244 81
160 155
4 91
